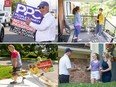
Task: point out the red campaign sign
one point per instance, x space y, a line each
21 24
44 63
7 3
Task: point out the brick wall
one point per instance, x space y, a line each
82 75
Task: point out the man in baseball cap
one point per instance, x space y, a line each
65 66
68 50
44 7
43 3
46 31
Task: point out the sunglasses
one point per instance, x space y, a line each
41 7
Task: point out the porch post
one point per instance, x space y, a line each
61 15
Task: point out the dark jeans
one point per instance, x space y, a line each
15 70
98 29
77 30
63 78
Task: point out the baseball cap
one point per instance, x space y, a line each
68 50
43 3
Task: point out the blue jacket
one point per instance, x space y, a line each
77 19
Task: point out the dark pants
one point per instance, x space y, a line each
98 29
63 78
16 70
77 30
106 78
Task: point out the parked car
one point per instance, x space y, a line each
5 17
1 32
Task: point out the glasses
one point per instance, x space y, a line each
41 7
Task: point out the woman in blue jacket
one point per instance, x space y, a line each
77 22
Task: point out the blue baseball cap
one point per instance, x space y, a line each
68 50
43 3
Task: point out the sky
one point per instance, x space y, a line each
33 3
53 3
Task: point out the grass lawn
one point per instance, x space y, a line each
111 84
4 72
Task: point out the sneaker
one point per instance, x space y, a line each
79 40
24 77
13 82
95 35
75 38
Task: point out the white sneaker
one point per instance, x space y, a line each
79 40
75 37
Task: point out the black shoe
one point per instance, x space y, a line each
24 78
13 82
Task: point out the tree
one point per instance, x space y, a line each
31 50
14 2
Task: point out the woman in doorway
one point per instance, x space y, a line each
106 67
95 68
77 22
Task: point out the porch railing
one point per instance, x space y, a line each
109 28
88 22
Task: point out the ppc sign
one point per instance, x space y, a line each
45 65
21 14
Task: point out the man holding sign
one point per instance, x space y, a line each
47 28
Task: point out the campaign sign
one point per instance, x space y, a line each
45 65
20 16
23 12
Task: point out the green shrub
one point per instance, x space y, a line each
31 55
53 55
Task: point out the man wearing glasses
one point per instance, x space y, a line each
47 29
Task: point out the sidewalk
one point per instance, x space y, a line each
28 82
49 79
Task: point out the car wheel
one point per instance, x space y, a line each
2 35
9 24
4 23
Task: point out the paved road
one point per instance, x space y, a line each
13 37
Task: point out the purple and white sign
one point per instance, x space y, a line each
19 18
23 12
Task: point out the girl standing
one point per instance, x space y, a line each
77 22
95 68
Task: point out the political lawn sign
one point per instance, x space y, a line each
21 14
45 65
